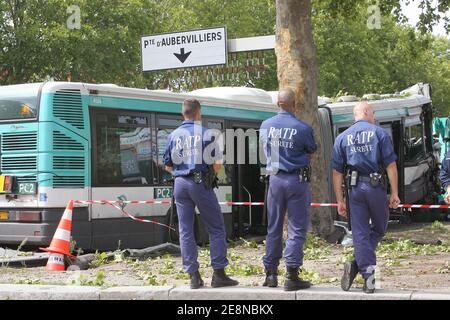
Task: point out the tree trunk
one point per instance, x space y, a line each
298 70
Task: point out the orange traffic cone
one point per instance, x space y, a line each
61 240
55 262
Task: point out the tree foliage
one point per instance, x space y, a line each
35 43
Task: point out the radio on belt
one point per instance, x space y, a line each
354 178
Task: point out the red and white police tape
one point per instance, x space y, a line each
233 203
117 204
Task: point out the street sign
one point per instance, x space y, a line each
184 49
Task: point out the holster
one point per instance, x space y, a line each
197 177
304 174
347 190
210 178
376 179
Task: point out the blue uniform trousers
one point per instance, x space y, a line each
369 214
286 192
189 195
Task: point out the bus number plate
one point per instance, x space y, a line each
162 193
27 188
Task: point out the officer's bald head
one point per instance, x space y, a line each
191 109
364 111
286 100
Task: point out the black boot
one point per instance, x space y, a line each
220 279
369 285
293 282
350 273
271 279
196 280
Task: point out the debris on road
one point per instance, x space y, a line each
155 251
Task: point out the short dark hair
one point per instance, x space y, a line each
190 107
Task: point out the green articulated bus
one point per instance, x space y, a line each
64 141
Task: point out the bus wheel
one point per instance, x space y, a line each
404 219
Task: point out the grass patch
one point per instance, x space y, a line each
346 256
402 248
396 250
315 242
181 275
142 270
316 249
445 269
151 279
100 259
25 253
245 270
98 281
168 267
250 244
234 257
28 281
311 276
204 253
317 254
392 263
437 226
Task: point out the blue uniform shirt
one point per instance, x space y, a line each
287 142
365 147
185 149
444 174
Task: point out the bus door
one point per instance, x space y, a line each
246 182
395 129
421 170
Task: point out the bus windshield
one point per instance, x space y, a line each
19 102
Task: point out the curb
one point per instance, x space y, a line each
55 292
231 293
431 295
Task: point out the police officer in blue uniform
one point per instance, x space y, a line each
361 154
444 176
186 158
288 143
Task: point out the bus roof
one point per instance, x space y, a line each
407 103
240 101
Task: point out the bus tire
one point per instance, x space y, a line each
404 219
426 215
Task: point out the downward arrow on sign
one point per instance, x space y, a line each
182 56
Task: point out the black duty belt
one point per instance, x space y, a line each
364 178
304 173
196 176
375 179
209 178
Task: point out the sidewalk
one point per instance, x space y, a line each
53 292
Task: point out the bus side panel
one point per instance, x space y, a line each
64 166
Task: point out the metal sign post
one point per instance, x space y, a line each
206 56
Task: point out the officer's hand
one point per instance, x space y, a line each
447 198
394 201
342 209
